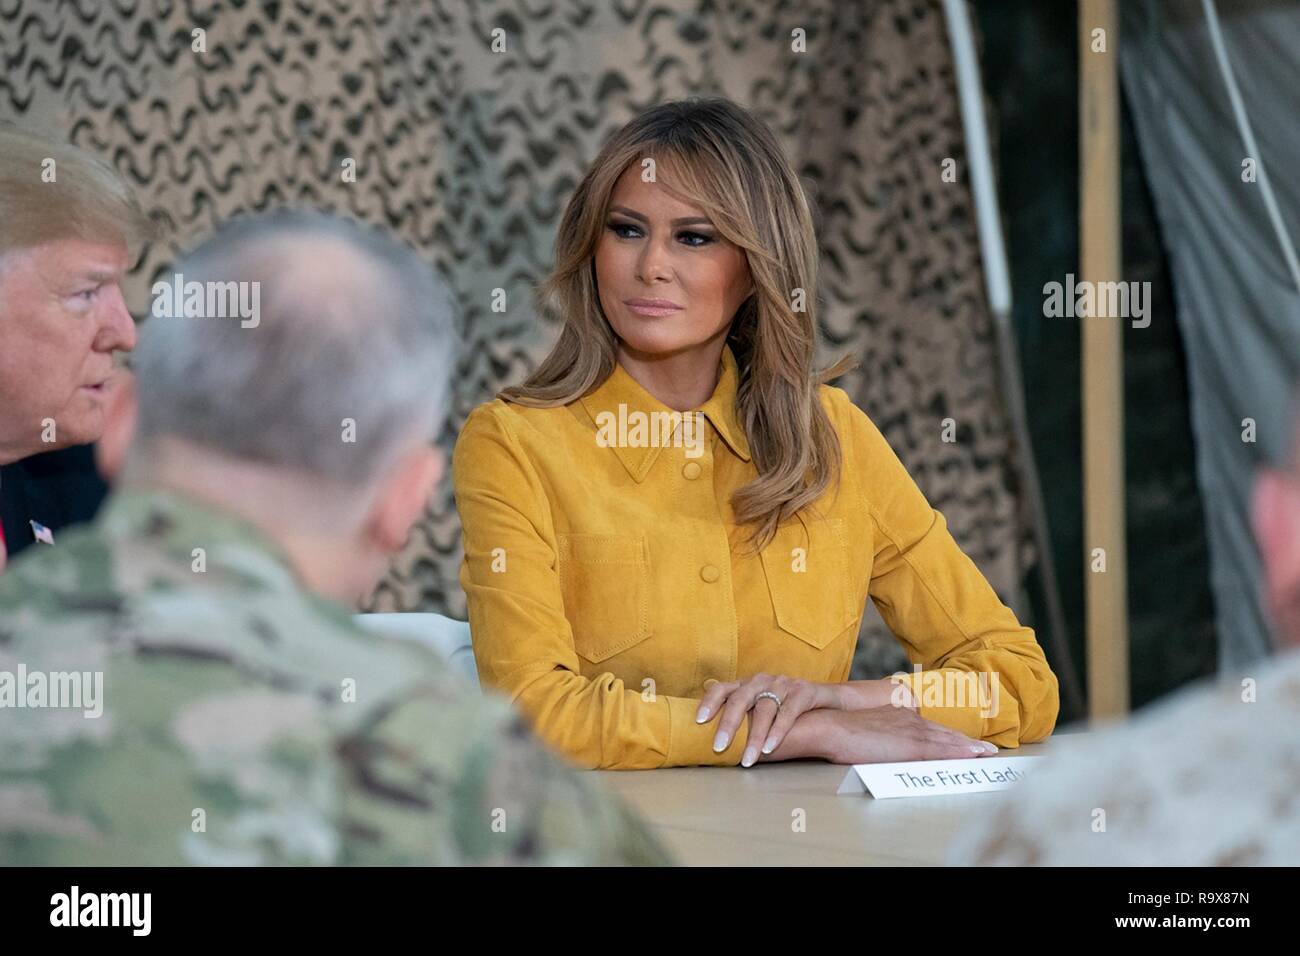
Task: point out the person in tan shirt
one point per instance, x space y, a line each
1207 777
671 529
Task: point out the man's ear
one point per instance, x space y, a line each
1274 513
1275 517
121 409
403 498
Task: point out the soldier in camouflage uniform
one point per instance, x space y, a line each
1205 777
245 718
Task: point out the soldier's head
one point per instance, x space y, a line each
294 370
68 228
1275 513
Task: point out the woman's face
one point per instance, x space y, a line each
668 280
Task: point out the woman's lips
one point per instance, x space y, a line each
653 308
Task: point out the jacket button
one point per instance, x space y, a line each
692 470
709 573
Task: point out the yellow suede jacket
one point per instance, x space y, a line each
607 580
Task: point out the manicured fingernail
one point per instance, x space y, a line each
702 715
990 747
720 742
979 749
750 756
769 745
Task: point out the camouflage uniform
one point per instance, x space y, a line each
1207 777
246 721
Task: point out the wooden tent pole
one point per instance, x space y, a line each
1102 364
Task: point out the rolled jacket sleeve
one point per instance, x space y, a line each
523 642
982 672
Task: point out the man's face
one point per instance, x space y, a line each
61 318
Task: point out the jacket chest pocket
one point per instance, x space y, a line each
605 580
808 578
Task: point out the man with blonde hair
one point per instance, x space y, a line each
68 228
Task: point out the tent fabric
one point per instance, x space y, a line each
1237 303
469 153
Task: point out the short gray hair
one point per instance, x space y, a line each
352 326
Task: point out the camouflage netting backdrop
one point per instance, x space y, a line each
469 155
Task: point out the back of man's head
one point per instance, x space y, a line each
295 366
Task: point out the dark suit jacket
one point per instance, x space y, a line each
56 489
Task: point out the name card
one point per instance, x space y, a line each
934 778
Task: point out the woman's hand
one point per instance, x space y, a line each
866 694
771 720
880 735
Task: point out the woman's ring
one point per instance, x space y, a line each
769 694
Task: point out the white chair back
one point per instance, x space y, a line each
445 636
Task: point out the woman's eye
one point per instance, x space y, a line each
624 231
694 238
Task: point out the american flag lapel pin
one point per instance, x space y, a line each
41 533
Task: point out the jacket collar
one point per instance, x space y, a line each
621 389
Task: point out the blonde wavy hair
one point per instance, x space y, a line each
723 159
87 199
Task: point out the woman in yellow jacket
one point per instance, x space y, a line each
671 528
